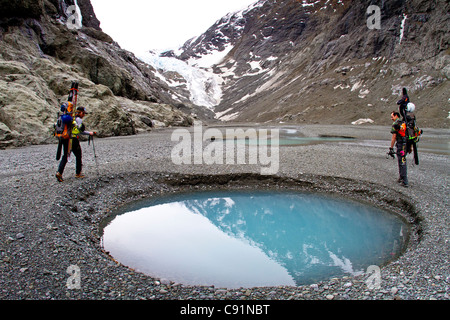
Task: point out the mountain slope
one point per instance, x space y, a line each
41 53
277 61
318 62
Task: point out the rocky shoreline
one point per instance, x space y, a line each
47 227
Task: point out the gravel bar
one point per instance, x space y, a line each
47 227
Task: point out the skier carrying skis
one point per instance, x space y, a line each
78 129
398 131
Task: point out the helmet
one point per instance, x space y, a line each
64 107
410 107
81 109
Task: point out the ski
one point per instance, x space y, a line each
58 151
416 153
72 99
412 131
63 127
73 95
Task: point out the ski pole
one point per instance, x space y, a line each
95 154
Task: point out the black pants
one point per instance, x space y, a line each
76 150
401 156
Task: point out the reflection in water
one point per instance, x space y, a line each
231 239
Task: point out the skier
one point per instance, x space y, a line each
78 129
398 131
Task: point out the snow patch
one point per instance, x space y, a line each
220 114
363 93
362 121
356 86
269 84
340 86
244 98
402 27
229 117
213 57
306 4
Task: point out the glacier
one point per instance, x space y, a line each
202 83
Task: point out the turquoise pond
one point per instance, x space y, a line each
248 239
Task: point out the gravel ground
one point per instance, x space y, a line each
46 226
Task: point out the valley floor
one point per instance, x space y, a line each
46 227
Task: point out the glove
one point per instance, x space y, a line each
391 152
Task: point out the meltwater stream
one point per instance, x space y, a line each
248 239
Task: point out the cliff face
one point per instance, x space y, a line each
41 54
319 62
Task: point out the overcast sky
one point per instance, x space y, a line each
140 25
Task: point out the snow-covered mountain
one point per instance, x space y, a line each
308 61
189 69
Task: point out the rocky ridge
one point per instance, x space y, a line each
41 54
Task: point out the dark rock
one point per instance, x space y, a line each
21 8
147 121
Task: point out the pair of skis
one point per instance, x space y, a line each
71 109
73 98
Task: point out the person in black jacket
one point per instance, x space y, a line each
78 129
398 131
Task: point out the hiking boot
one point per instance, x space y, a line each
405 185
59 177
79 176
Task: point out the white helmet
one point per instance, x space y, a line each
410 107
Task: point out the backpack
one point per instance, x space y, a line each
413 134
63 126
413 130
